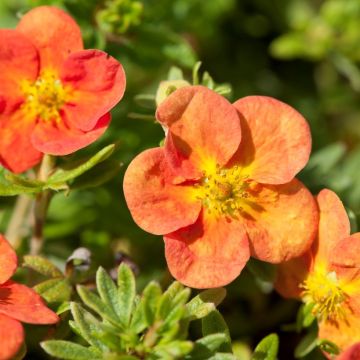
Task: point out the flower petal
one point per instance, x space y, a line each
11 337
344 259
342 333
54 33
210 253
282 222
290 274
98 83
157 205
8 260
24 304
59 139
204 126
16 150
334 224
276 139
351 353
19 61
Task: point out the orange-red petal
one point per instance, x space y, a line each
342 333
17 153
54 33
351 353
281 222
276 140
24 304
8 260
208 254
59 139
11 337
156 205
98 83
204 126
334 224
290 274
19 61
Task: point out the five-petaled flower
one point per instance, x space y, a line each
55 97
327 277
17 303
223 186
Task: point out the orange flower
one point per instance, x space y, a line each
55 97
222 187
328 276
17 303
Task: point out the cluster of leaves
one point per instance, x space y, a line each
153 325
316 30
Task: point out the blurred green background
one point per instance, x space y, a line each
304 52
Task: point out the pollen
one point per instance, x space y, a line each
324 291
224 191
46 96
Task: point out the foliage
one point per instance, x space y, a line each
302 52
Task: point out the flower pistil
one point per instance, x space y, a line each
46 96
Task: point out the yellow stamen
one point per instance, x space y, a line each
324 290
46 96
224 191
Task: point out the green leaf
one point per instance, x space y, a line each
126 293
174 289
63 307
98 175
202 304
267 348
54 290
42 266
305 317
207 346
23 181
214 323
67 350
13 190
138 320
63 175
307 344
353 221
175 349
195 73
223 356
146 101
86 325
95 303
326 158
328 346
108 290
151 299
175 73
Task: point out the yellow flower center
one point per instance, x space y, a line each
225 191
324 291
46 96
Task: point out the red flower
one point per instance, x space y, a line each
17 303
55 97
223 185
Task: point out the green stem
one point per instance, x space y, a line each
16 228
41 206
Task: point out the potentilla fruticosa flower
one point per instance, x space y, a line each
55 97
328 276
18 303
223 186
